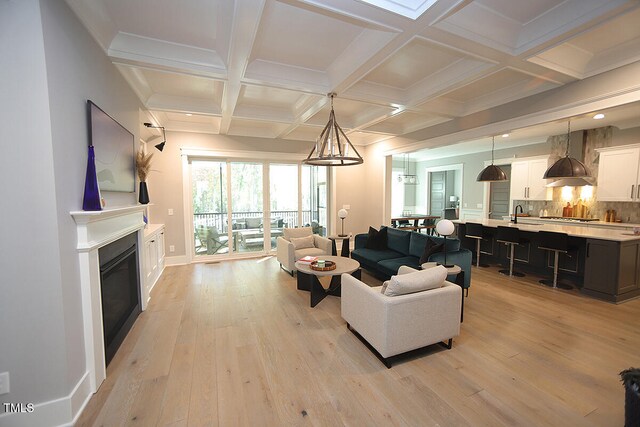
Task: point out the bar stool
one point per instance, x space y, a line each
476 231
558 243
510 236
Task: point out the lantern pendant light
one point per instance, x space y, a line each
492 172
332 147
567 167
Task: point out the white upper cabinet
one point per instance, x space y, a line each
527 182
618 174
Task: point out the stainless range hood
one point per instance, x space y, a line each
571 182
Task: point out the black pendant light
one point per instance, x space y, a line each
492 172
567 167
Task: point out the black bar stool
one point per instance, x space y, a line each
510 236
476 231
558 243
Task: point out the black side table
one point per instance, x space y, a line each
345 245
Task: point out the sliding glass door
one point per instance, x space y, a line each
232 214
283 199
314 198
209 206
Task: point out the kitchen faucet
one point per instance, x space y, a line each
515 213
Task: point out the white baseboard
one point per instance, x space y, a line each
175 260
61 412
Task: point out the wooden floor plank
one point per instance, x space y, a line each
235 343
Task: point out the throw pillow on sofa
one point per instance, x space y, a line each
302 242
377 240
430 248
421 280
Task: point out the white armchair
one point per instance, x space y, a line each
393 325
287 254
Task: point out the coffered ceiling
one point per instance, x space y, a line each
263 68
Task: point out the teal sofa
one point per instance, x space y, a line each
406 248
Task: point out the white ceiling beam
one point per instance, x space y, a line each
160 54
246 20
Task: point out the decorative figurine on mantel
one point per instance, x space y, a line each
143 166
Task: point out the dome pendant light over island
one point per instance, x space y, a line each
567 167
492 172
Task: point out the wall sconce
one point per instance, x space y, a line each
160 146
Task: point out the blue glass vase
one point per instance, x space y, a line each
91 201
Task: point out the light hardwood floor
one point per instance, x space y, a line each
234 343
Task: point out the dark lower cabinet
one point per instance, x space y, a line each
612 269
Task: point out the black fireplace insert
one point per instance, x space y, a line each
120 289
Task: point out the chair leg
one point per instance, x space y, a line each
478 255
554 282
510 271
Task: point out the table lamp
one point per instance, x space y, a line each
445 228
342 214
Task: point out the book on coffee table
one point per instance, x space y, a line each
308 259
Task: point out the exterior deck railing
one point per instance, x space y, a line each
219 220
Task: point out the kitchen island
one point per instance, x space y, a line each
604 262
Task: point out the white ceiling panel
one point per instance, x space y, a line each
300 37
304 133
366 138
503 86
191 23
182 85
613 44
263 67
349 113
515 27
188 122
522 12
406 122
415 61
242 127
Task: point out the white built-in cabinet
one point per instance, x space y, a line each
619 174
526 180
152 256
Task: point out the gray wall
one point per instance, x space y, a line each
55 66
32 323
77 70
472 191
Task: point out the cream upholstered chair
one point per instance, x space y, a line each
393 325
287 253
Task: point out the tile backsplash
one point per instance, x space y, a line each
625 211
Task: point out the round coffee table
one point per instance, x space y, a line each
308 277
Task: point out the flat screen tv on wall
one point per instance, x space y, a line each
114 150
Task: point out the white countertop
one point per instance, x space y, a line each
581 230
151 229
538 220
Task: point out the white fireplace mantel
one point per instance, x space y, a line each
96 229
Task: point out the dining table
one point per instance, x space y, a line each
416 218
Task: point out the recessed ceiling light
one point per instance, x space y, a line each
599 116
188 114
505 135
